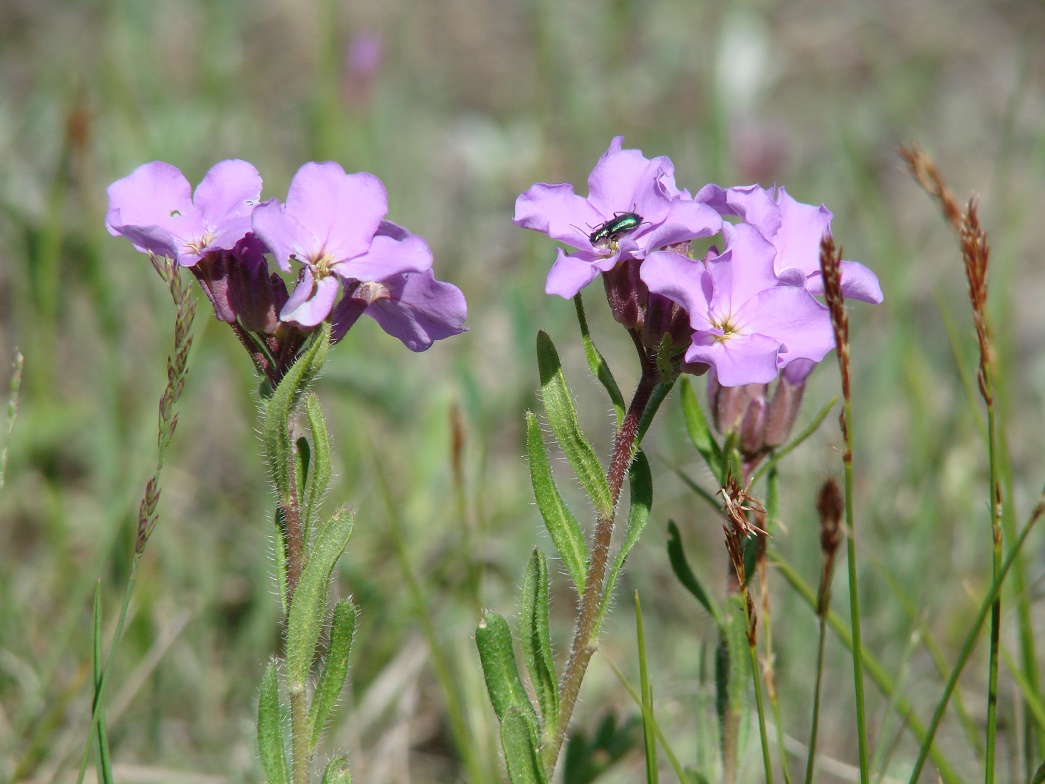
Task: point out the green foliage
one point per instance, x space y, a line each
700 433
318 479
335 669
597 363
270 728
497 654
680 566
280 407
308 605
641 484
588 756
536 640
558 519
562 416
336 771
520 753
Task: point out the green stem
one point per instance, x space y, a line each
854 595
996 562
99 692
763 735
814 730
584 639
299 733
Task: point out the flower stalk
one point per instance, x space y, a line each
585 633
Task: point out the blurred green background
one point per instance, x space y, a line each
458 106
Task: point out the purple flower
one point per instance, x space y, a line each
155 209
746 323
327 225
633 207
795 230
410 304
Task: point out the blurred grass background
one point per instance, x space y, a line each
464 105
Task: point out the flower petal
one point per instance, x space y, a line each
312 300
420 310
388 257
558 212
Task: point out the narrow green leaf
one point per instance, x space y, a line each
640 480
270 728
735 636
646 690
332 679
660 391
700 432
536 640
1039 776
280 407
558 519
562 416
308 607
597 363
704 494
103 762
520 755
336 771
679 565
280 553
319 480
497 655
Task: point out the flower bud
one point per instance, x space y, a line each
762 423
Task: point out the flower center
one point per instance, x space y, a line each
199 245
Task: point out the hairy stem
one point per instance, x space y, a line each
584 638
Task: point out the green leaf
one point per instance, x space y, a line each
700 432
308 607
646 691
597 363
497 655
562 416
561 524
536 640
281 406
319 480
332 679
103 762
640 480
520 755
679 565
280 554
270 728
336 771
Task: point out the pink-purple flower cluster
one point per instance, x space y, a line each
748 311
330 232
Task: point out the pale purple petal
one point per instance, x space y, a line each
227 192
152 207
802 227
682 280
858 282
387 257
570 274
738 359
341 212
792 317
278 231
312 300
744 269
755 205
558 212
685 220
612 183
420 310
